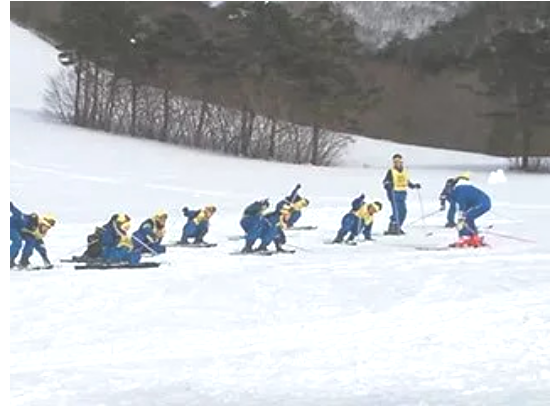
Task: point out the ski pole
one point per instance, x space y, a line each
515 238
503 216
424 217
421 209
298 247
69 253
154 253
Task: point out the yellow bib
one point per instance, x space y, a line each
364 215
35 233
200 217
125 242
400 179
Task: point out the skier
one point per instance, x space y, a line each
94 248
116 245
148 237
197 225
396 182
269 229
445 196
351 222
29 229
473 203
252 215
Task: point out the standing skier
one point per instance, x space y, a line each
396 182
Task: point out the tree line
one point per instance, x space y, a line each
248 79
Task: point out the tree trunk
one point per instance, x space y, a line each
297 144
250 128
315 145
110 105
134 105
166 112
247 118
84 118
272 141
93 114
200 124
526 148
78 92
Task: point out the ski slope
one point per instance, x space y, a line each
377 324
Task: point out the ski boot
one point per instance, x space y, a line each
393 229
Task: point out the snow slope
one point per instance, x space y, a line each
370 153
376 324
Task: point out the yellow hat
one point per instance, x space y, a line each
210 209
122 218
465 175
47 220
160 215
301 203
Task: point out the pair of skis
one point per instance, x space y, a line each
99 265
84 263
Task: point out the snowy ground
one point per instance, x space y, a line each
376 324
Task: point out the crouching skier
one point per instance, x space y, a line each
197 225
253 214
351 222
148 237
473 203
297 203
269 229
28 230
116 245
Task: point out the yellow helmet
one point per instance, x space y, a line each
301 203
122 218
376 206
210 209
160 215
47 220
465 175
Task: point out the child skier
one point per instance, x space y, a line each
197 225
148 237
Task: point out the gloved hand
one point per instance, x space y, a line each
461 223
442 207
416 186
298 186
185 210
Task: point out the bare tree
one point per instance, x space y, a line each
120 106
59 97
